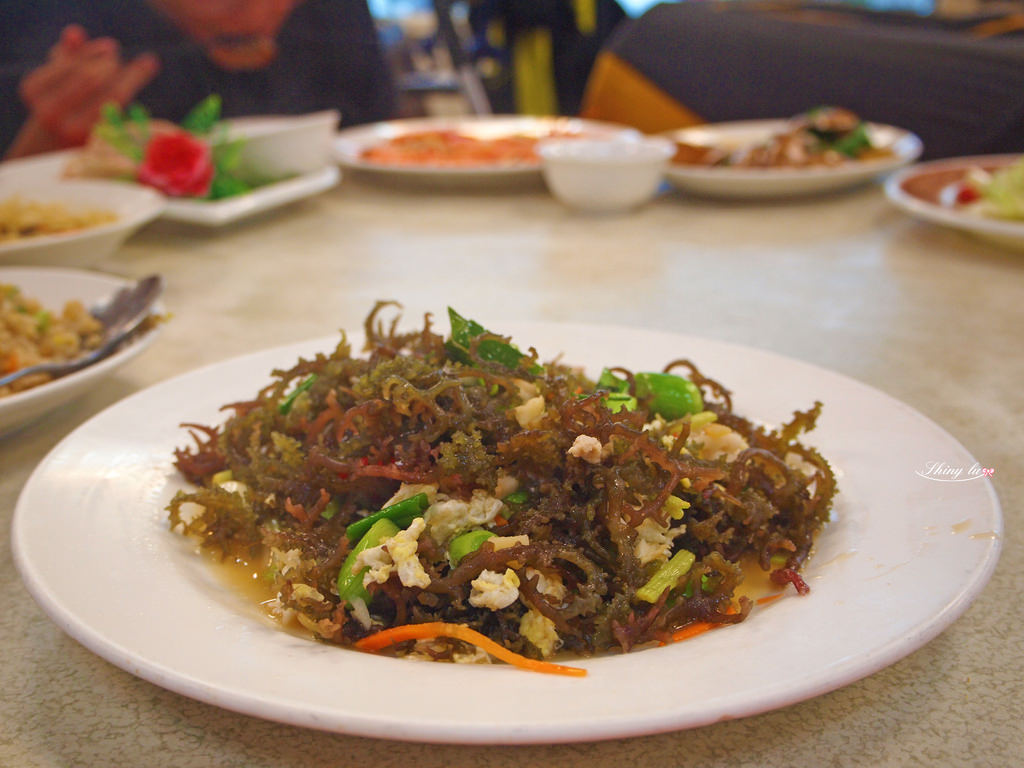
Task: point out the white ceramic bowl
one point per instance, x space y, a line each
605 175
53 287
133 205
278 146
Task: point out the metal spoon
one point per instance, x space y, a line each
121 316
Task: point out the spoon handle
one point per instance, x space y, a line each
121 317
58 368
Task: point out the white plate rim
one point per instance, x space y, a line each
599 719
349 142
1008 229
737 181
62 390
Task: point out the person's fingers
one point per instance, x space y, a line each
70 108
132 78
98 47
119 85
72 37
66 94
37 83
65 64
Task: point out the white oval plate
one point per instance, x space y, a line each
903 558
927 191
53 287
134 206
351 142
764 183
48 169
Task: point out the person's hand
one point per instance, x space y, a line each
65 95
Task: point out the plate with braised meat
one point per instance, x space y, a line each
822 150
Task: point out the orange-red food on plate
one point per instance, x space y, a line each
452 148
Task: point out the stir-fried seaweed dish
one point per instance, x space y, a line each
443 489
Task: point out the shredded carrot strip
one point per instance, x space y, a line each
434 629
700 627
692 630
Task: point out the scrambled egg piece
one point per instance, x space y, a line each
654 541
588 448
800 464
527 389
540 630
548 584
447 517
506 484
494 590
531 413
397 553
717 441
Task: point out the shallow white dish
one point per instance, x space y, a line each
350 143
928 192
210 213
134 207
215 213
54 286
604 175
903 558
764 183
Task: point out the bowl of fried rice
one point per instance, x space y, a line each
70 222
45 317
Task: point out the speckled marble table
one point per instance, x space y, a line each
928 316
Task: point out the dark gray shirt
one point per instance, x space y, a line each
330 57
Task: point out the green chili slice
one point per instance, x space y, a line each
401 514
465 543
669 395
350 582
666 394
